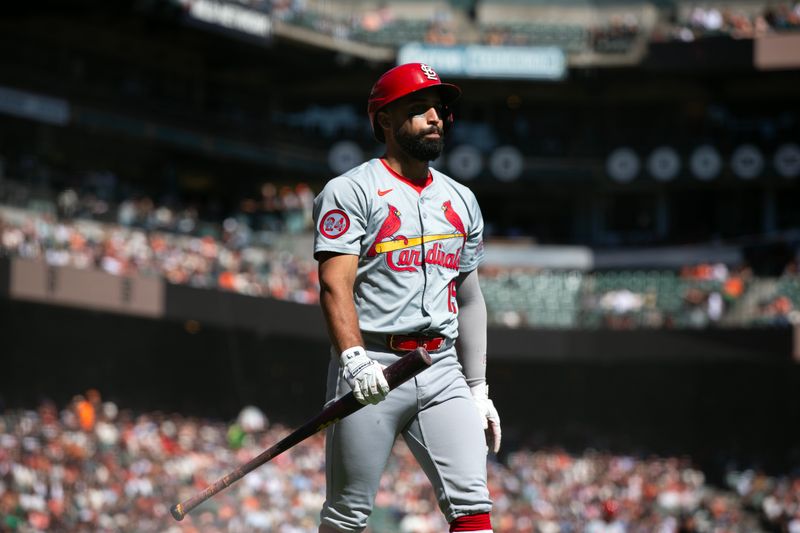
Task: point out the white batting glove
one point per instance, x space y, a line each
491 420
364 375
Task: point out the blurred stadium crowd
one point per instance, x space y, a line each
94 466
498 22
698 296
137 237
238 253
709 21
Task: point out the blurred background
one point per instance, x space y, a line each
638 167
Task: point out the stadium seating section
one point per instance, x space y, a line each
233 257
110 469
577 26
637 299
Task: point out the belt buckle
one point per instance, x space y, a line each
428 343
400 343
391 343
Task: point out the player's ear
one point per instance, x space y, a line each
384 120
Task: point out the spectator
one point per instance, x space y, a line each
231 264
122 475
778 311
738 22
157 240
270 208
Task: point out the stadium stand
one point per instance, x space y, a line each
576 27
240 254
607 27
640 299
740 20
603 32
243 252
546 299
95 465
215 142
229 263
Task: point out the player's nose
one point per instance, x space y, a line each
433 115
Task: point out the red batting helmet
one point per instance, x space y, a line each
403 80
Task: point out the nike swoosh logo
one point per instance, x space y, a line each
382 193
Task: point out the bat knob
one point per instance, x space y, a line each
177 512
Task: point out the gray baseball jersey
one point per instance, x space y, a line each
411 241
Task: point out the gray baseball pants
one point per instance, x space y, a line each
440 424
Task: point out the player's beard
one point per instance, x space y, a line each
418 147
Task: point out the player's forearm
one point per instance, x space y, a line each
472 322
341 318
337 274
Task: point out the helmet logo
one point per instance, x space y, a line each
428 71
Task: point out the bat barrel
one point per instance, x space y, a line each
408 366
177 512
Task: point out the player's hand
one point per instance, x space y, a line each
491 420
364 375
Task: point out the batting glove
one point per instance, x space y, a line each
364 375
491 420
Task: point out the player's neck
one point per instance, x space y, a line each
408 167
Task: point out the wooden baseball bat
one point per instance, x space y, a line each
408 366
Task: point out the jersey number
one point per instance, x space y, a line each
451 297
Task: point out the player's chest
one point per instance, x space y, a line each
416 214
407 231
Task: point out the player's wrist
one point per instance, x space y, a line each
352 353
354 360
480 391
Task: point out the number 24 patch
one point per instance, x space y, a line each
334 224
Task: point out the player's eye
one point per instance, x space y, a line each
419 110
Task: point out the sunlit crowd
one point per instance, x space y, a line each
228 263
92 466
735 21
697 21
150 240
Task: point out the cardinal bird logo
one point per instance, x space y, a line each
388 228
409 254
454 220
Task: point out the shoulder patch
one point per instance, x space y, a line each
334 223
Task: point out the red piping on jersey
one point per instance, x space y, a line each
474 522
416 186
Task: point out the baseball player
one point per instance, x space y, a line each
398 245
